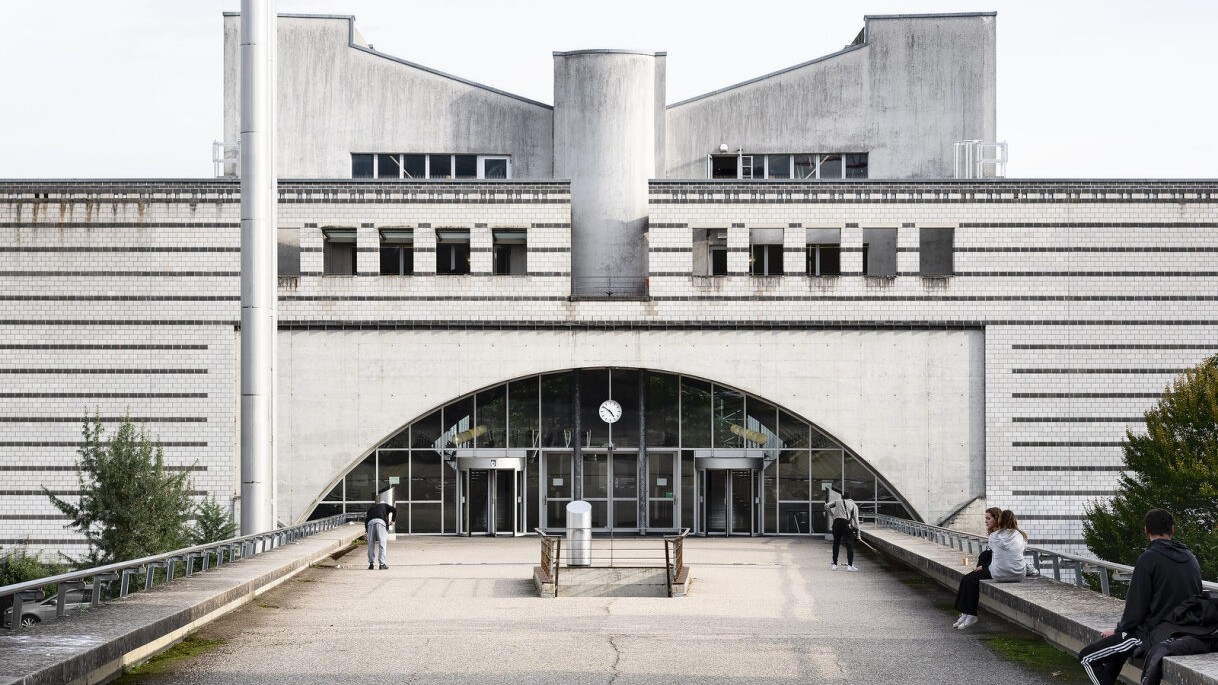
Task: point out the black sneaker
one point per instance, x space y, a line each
383 566
370 567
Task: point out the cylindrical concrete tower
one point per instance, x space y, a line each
608 140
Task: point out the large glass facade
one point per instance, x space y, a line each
647 472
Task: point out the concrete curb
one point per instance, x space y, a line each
93 646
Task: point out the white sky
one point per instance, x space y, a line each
1086 88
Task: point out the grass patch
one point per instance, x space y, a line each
167 660
1039 656
306 580
913 581
268 606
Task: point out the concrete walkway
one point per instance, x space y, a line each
458 610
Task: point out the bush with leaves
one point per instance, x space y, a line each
212 523
17 565
1174 466
131 505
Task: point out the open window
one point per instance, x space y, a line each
415 165
823 251
710 252
935 251
880 252
765 251
511 251
452 251
397 251
338 251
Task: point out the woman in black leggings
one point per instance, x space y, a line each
969 593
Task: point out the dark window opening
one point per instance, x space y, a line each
338 251
441 166
361 166
511 252
452 251
856 165
466 166
495 168
414 166
935 251
388 166
724 166
765 251
397 252
824 251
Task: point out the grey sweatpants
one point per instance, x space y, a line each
378 539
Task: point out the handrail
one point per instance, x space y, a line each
551 552
674 557
611 552
1107 571
234 548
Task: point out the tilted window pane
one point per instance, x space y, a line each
361 481
414 166
459 423
805 166
791 431
859 481
426 431
388 166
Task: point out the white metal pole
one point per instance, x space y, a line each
258 277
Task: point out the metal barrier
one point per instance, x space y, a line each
1064 567
223 551
614 552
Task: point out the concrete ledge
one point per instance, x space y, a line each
609 582
1067 616
91 646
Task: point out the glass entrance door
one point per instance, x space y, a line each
728 499
611 486
491 501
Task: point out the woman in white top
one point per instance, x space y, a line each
1003 561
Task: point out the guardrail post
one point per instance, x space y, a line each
1104 587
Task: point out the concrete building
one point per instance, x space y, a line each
711 314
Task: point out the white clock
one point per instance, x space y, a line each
610 411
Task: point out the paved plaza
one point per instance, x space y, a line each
460 610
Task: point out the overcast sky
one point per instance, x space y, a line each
132 88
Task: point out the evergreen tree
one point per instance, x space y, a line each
130 506
212 523
1174 466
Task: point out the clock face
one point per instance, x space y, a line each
610 411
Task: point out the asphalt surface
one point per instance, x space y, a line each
464 611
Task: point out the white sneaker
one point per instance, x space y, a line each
832 567
852 568
958 620
966 621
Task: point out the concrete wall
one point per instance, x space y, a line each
915 86
343 392
336 97
605 119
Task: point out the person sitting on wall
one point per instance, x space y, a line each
1164 576
1002 561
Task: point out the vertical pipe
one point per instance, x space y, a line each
258 277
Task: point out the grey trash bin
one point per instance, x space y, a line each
579 533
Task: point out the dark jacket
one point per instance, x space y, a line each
1165 575
381 511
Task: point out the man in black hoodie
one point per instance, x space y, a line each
1166 574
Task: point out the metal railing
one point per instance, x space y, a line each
609 286
167 564
615 552
1065 568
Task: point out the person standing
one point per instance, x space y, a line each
376 524
1003 561
1165 575
845 516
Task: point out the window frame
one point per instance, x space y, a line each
399 160
332 237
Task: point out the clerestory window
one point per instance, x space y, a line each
415 166
804 166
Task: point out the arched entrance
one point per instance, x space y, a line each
651 452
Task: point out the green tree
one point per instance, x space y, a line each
1174 466
130 506
212 523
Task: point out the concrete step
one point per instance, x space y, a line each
607 582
